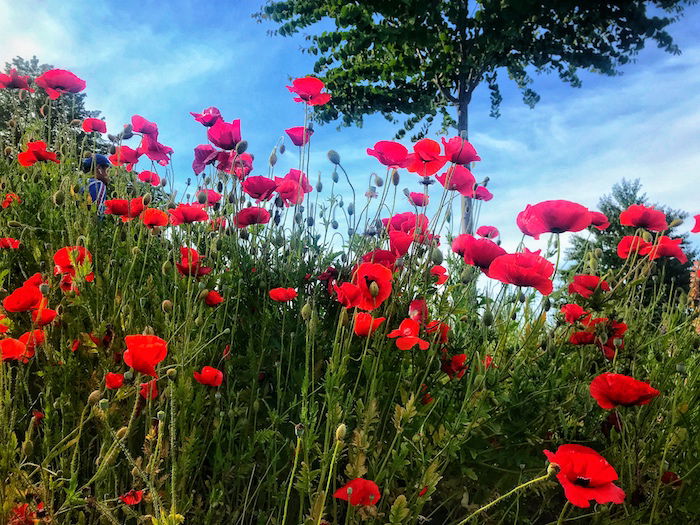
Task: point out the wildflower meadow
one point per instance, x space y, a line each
271 347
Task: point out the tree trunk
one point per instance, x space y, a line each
467 221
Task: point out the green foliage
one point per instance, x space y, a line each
417 58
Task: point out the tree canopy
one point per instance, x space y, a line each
418 58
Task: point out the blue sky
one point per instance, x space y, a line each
163 60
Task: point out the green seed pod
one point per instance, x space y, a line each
201 197
674 223
166 267
436 256
58 198
306 311
147 199
487 318
241 147
28 447
160 415
333 156
104 404
171 373
334 176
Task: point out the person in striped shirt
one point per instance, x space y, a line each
97 166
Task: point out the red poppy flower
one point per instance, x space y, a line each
611 390
477 252
125 208
599 220
435 327
488 232
425 159
585 475
455 366
482 194
283 294
209 376
57 82
43 316
133 497
208 116
440 272
696 228
204 154
259 188
309 91
36 152
458 178
94 124
69 257
524 269
8 243
213 298
582 338
225 135
406 222
191 263
606 334
150 177
23 515
488 362
374 281
114 381
188 213
9 199
671 478
11 349
632 244
418 199
145 127
125 156
149 390
12 80
459 151
556 216
152 217
144 352
647 217
347 294
299 135
31 339
407 336
573 312
241 165
418 310
586 285
154 150
384 257
292 187
249 216
391 154
24 298
666 247
359 492
364 324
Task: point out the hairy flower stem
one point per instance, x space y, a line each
291 480
549 473
564 511
338 444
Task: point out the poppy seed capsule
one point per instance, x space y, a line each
241 147
487 318
436 256
333 156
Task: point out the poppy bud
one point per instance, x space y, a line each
58 198
75 122
448 216
104 404
594 264
378 181
14 224
319 186
674 223
298 217
135 251
598 252
28 447
406 192
647 236
8 150
128 375
203 294
310 221
166 267
282 149
487 318
201 197
351 209
334 176
241 147
42 110
340 432
521 297
299 430
199 321
94 397
44 288
333 156
436 256
12 123
306 311
395 178
334 224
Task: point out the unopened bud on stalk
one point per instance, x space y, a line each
282 149
351 208
171 373
333 156
319 186
547 304
128 131
160 415
378 181
395 178
94 397
128 375
148 330
28 447
201 197
203 294
487 318
241 147
598 252
299 430
104 404
12 123
334 176
147 199
75 122
42 110
14 224
340 432
44 289
674 223
306 311
8 150
436 256
521 297
58 198
334 224
166 267
135 250
647 236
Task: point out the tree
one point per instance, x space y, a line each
623 195
418 58
19 111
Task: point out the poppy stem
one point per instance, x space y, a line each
338 443
507 494
564 511
291 479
